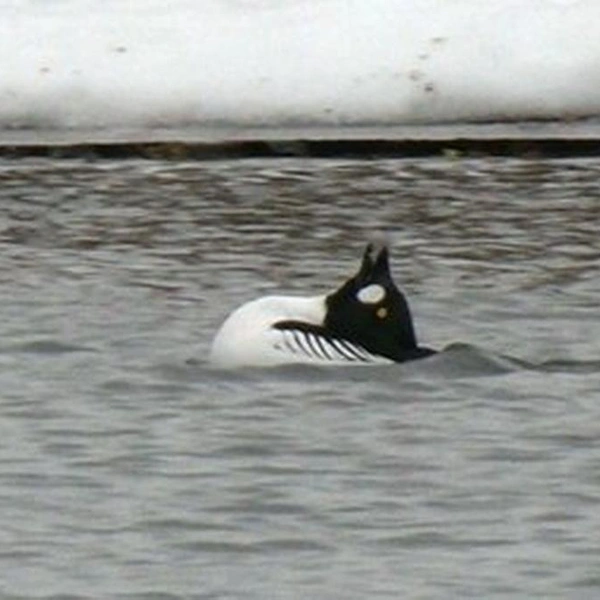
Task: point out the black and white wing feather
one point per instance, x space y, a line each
313 344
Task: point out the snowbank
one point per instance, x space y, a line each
88 64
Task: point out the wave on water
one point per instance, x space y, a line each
456 361
47 346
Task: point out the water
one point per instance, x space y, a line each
130 469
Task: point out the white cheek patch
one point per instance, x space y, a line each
372 294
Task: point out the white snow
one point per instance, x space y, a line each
68 64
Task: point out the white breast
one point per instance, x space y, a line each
247 337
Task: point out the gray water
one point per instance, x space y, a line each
130 469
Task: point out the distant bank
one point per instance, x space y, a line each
525 139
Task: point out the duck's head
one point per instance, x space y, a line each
370 310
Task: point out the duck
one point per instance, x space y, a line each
366 321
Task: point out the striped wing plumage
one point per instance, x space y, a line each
309 343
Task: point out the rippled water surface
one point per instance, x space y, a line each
130 469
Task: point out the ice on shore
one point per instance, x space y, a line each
144 63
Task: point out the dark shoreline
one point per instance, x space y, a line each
524 148
528 140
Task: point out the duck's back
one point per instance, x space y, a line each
248 338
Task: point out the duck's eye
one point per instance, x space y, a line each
371 294
381 312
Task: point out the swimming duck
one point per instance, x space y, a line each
366 321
